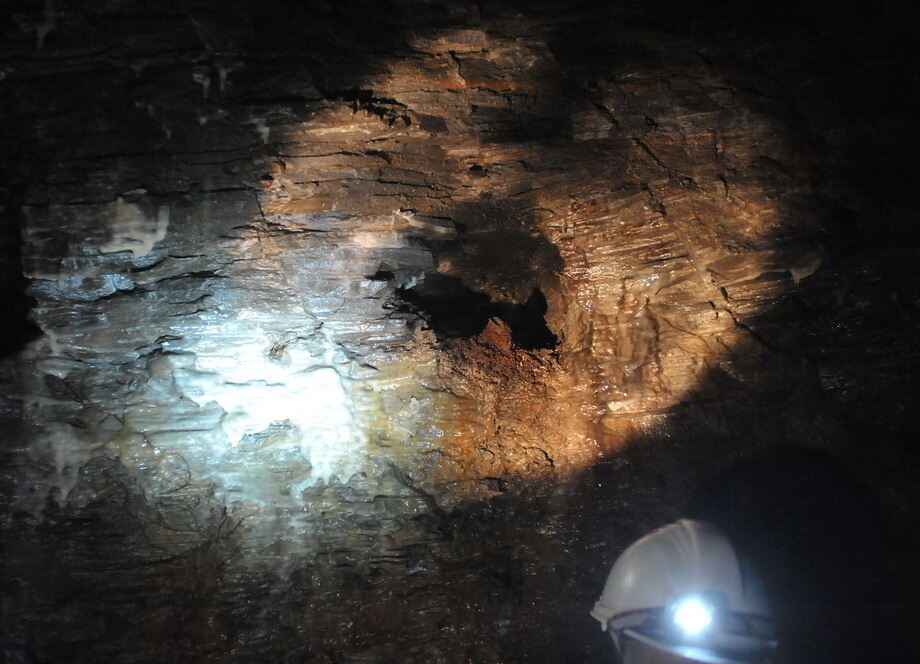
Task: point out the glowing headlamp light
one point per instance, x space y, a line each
692 615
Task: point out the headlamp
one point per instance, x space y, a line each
692 615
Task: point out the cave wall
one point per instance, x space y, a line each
373 333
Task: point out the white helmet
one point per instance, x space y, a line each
681 590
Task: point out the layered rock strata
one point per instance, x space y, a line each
371 338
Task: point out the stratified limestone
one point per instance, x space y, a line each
244 435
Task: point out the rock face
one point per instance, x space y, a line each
373 334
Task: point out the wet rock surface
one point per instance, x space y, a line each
373 333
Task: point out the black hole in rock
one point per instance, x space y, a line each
19 330
528 323
382 275
453 310
14 302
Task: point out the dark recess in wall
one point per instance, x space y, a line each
15 170
453 310
18 330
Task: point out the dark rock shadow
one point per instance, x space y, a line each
836 558
18 166
824 548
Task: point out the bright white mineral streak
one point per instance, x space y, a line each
132 230
273 393
231 371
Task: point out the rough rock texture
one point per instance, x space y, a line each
374 333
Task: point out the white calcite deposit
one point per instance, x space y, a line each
134 230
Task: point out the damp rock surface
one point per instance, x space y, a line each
373 333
